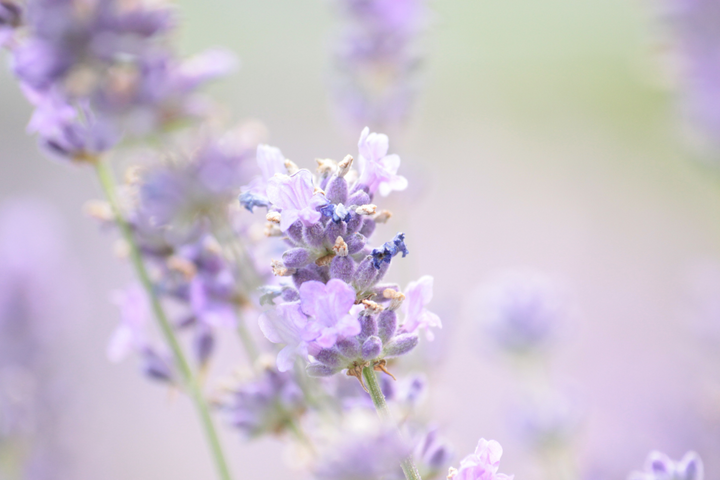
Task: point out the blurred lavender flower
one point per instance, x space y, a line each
545 420
659 466
10 19
333 315
432 453
481 465
698 43
107 61
373 456
376 58
521 310
39 297
265 405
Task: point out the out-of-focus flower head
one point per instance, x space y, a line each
98 71
266 404
376 59
483 464
521 311
659 466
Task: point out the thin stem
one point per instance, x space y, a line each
191 383
378 398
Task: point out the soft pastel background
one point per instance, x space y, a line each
545 137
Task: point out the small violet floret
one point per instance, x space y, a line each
659 466
417 295
481 465
389 250
378 170
296 198
331 305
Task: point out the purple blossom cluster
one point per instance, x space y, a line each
338 312
376 59
96 71
659 466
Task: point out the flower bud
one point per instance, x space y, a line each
355 243
400 345
349 347
320 370
306 274
355 222
314 235
365 274
331 358
295 233
337 190
368 227
387 325
296 258
368 327
359 198
371 348
342 268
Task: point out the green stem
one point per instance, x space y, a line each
378 398
107 181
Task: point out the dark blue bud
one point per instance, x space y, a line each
387 325
385 253
349 347
250 201
337 190
320 370
368 227
296 258
342 268
330 357
359 198
400 345
371 348
314 235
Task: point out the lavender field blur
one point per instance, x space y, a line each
562 167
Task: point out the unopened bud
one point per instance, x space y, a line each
291 166
279 269
382 216
366 209
273 217
345 165
340 248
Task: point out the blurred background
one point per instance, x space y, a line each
545 137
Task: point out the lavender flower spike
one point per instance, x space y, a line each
659 466
481 465
417 295
296 199
378 170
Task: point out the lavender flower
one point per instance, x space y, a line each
659 466
337 314
373 456
271 161
377 58
378 169
108 61
266 404
521 311
481 465
10 18
417 295
432 453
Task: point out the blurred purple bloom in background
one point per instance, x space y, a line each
659 466
483 464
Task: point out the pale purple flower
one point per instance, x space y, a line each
659 466
271 161
209 308
417 295
483 464
287 324
378 170
131 334
10 18
331 305
296 198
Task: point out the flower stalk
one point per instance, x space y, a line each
408 464
189 380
